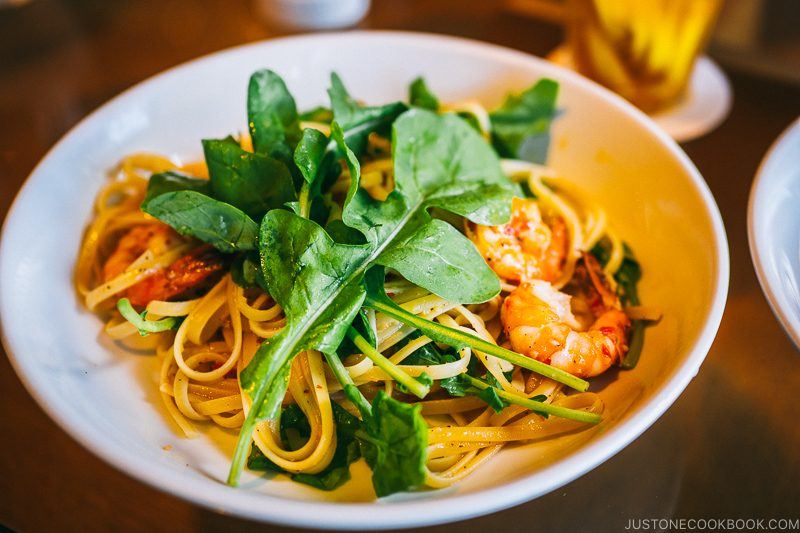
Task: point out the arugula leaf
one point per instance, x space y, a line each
165 182
294 424
439 162
252 182
420 96
316 282
221 225
272 115
521 126
359 121
428 255
394 442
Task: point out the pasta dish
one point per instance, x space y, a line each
406 283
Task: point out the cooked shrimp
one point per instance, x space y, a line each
139 239
526 248
539 323
187 273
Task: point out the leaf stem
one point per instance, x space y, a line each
420 390
245 439
305 207
634 346
277 369
142 324
350 390
555 410
458 338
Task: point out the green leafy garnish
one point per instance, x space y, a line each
272 116
246 272
252 182
521 126
358 121
498 398
145 326
191 213
171 181
627 277
420 96
394 442
323 263
317 281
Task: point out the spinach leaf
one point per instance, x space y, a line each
420 96
253 182
165 182
294 427
521 126
221 225
394 441
317 281
272 115
359 121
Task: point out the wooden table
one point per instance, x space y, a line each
727 448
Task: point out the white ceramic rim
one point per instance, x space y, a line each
377 515
757 251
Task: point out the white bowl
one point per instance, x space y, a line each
773 228
107 399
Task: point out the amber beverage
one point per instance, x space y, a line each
642 49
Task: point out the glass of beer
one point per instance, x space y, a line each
643 50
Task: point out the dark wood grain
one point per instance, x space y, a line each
727 448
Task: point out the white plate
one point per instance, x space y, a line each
107 398
773 228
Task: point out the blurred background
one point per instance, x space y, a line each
715 453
